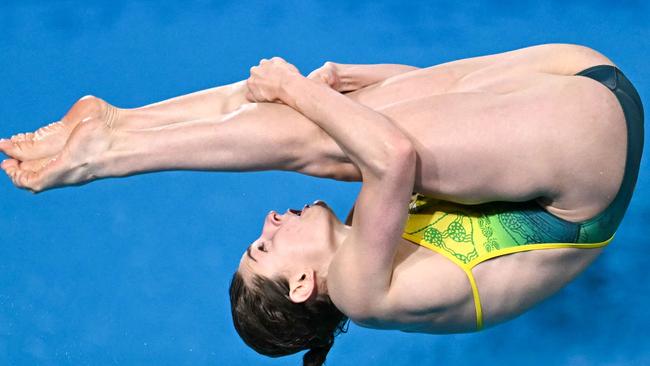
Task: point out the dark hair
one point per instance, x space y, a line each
273 325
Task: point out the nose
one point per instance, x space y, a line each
274 218
272 222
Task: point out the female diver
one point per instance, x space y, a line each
537 148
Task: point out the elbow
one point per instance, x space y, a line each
403 149
401 156
396 159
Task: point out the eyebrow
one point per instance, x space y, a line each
248 252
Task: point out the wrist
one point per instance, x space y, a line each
291 87
348 78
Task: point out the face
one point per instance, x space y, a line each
290 242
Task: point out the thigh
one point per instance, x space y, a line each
496 72
557 138
551 136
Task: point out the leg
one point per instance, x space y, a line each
209 103
257 136
202 104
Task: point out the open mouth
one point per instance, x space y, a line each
316 203
295 212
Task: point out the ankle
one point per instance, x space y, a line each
113 116
91 106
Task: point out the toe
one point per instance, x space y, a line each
8 147
20 147
34 165
18 138
9 163
20 178
4 145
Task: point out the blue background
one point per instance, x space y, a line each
135 271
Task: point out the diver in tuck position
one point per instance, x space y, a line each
468 168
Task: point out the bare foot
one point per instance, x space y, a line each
73 164
38 147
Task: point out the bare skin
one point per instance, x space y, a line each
534 108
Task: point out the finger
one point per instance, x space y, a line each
255 92
325 79
251 96
250 93
316 75
256 95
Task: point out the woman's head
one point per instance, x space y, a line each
273 325
293 242
278 295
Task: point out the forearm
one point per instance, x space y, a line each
209 103
367 137
354 76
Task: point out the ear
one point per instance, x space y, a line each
302 285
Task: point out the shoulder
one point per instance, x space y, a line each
427 293
351 289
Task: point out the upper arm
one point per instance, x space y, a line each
360 273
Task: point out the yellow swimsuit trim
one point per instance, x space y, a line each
521 248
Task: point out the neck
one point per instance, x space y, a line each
339 234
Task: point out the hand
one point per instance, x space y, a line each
61 153
327 74
267 79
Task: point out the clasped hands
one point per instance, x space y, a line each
268 80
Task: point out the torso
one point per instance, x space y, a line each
502 91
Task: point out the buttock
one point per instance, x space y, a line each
589 145
605 223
